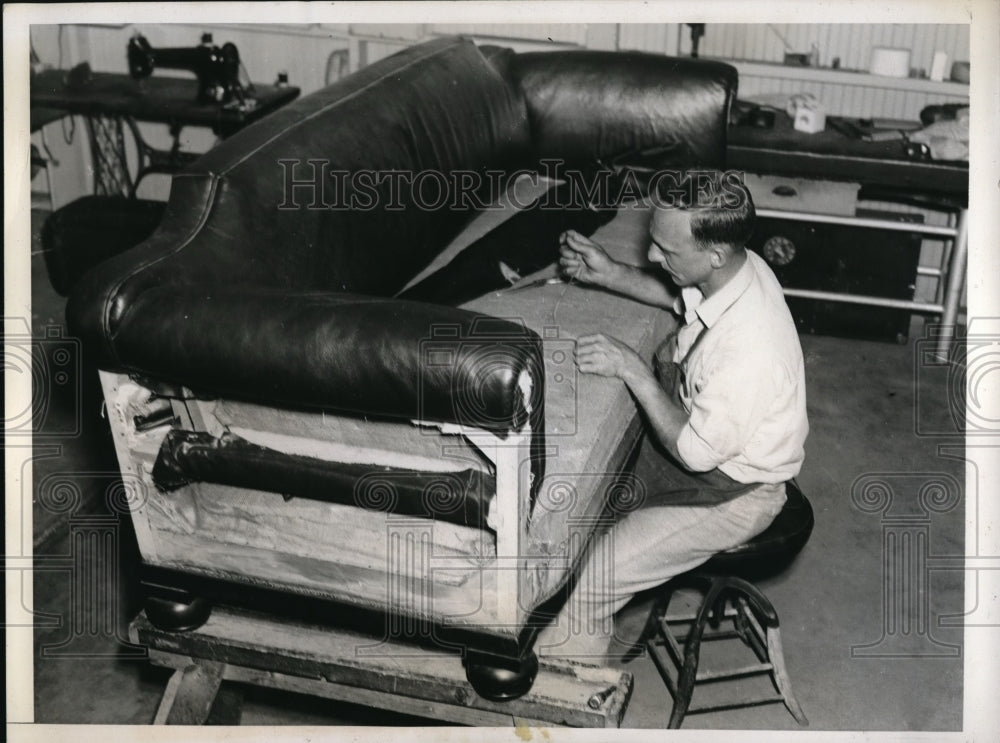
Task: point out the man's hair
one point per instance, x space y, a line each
722 210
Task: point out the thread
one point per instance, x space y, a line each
562 294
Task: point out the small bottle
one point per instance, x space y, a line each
282 81
814 55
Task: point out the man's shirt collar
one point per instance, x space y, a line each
692 303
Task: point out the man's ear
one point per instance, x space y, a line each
719 256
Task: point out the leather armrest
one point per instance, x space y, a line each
352 353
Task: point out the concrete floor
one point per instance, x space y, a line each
862 402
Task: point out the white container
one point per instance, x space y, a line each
890 61
938 66
807 112
809 120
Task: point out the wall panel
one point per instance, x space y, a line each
567 33
306 51
851 42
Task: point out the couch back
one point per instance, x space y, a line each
436 109
256 212
236 216
630 108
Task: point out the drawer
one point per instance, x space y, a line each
803 194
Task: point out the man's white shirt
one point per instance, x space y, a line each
745 393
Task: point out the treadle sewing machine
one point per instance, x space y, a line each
217 99
217 70
302 440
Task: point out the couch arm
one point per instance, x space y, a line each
364 355
664 112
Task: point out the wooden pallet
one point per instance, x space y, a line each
339 665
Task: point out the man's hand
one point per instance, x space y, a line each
607 357
585 260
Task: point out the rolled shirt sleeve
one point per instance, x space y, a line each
728 403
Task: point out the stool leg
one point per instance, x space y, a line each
685 685
781 679
692 649
652 626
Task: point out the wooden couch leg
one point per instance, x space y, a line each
177 616
499 679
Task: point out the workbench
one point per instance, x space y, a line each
885 173
237 646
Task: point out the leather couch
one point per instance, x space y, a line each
257 289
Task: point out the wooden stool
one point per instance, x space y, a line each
730 597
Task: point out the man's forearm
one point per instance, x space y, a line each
639 284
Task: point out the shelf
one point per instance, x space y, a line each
847 77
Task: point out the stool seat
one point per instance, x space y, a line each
770 551
729 596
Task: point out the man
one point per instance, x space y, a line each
725 409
